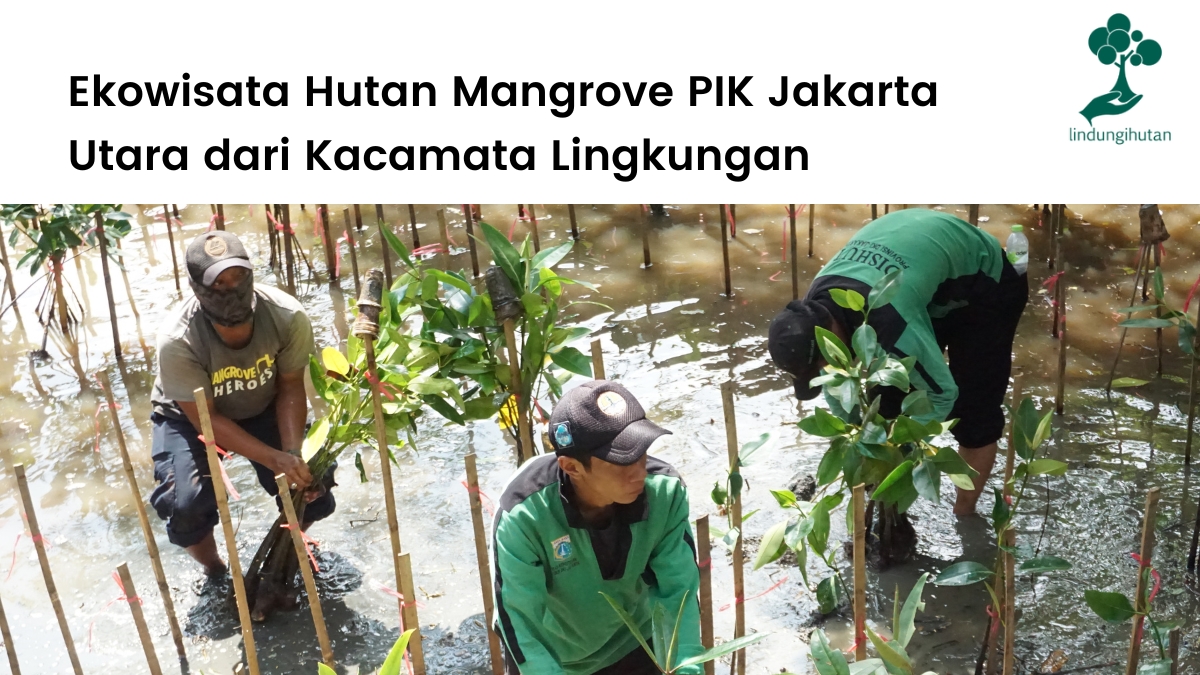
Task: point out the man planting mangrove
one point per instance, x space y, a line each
958 292
600 515
248 346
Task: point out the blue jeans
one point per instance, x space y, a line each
184 496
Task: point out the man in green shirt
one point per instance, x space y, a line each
599 515
958 293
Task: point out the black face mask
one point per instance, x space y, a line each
231 307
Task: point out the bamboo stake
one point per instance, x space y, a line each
481 555
357 219
8 276
221 217
331 269
13 667
366 327
1158 310
272 239
39 543
444 233
1053 235
112 303
135 608
412 219
812 209
537 242
310 584
525 443
886 208
1062 350
387 257
725 250
1139 603
1010 607
171 241
409 591
235 565
470 216
574 225
1173 650
289 257
973 214
795 263
597 360
874 211
1057 218
160 576
735 511
353 245
860 573
645 242
704 546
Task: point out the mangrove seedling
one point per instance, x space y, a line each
391 665
724 495
892 659
1116 608
1159 315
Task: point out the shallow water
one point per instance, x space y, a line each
672 338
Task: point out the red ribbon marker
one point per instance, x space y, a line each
1191 294
704 564
403 603
775 277
732 222
738 601
309 543
483 497
224 476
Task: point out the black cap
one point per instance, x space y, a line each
792 341
214 252
602 419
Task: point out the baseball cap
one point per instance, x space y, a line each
792 342
603 419
214 252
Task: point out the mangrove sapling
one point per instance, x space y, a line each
892 659
725 495
1164 316
666 639
895 458
1116 608
391 665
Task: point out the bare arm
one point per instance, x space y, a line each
233 438
291 410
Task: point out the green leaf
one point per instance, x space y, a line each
869 667
906 430
506 256
1044 428
873 434
1001 513
658 631
1112 607
1146 323
897 474
962 574
1135 309
885 289
1044 564
572 360
927 479
916 404
315 439
831 461
395 658
822 424
828 661
323 669
550 257
671 653
891 377
818 538
832 349
1158 284
721 650
335 361
1187 338
1123 382
865 343
630 623
719 494
796 532
847 298
786 498
894 657
441 407
746 454
1160 667
829 594
772 546
735 484
961 481
1050 467
913 604
950 462
398 246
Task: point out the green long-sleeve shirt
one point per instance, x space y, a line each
946 261
549 569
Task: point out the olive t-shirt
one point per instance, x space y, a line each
241 382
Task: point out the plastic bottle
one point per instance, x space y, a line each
1017 249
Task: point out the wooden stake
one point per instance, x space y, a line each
412 219
39 544
387 256
1187 451
330 261
357 219
470 216
1010 607
645 242
704 547
725 250
537 242
812 209
8 276
860 573
289 257
1139 602
112 303
385 466
1158 310
735 514
574 225
135 608
525 441
444 232
220 223
973 214
1173 650
597 360
310 584
235 565
1057 218
874 211
160 576
481 555
409 591
1062 349
171 241
795 263
353 245
13 667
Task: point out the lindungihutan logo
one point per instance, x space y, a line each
1116 44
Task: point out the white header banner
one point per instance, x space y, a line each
917 102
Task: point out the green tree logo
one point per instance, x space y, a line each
1116 45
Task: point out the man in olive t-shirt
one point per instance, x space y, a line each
958 293
248 347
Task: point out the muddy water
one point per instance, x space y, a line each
672 338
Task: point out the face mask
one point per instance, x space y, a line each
231 307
